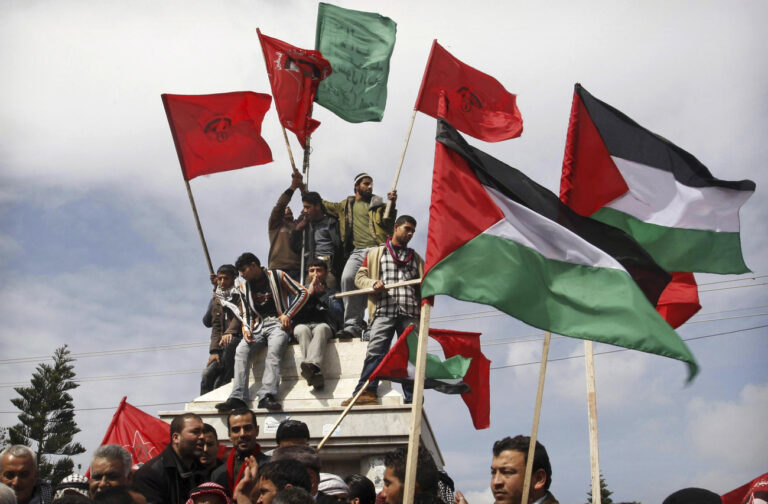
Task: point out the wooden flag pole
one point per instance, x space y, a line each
199 227
416 406
370 290
343 414
536 416
400 164
594 458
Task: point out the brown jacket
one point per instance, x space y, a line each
281 255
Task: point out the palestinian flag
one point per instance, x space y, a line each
498 238
624 175
465 370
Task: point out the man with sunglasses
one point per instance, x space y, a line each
243 432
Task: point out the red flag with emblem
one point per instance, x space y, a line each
141 434
218 132
477 104
294 75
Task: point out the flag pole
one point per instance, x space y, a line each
536 416
388 209
594 458
305 170
199 227
343 414
416 406
370 290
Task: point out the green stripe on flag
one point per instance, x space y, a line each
454 368
678 249
600 304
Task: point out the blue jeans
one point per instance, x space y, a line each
354 306
275 339
382 330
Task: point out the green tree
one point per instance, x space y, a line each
605 494
4 441
47 419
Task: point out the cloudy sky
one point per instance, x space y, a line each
98 247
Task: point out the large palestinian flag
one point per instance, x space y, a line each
465 370
626 176
496 237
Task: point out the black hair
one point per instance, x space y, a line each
292 429
286 472
177 424
114 495
304 454
403 219
312 197
293 495
361 488
227 269
427 474
209 429
245 259
521 444
315 261
241 412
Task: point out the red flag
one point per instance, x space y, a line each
294 75
478 104
141 434
218 132
754 492
398 365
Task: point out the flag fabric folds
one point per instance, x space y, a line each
680 300
218 132
498 238
294 75
754 492
477 104
465 371
626 176
141 434
359 46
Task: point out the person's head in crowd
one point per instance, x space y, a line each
363 186
317 269
225 276
18 470
187 439
693 496
119 495
74 484
278 475
313 206
209 457
508 470
7 495
243 431
361 489
405 227
427 474
332 489
307 456
71 498
111 466
292 432
208 493
249 266
293 495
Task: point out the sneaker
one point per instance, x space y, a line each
317 380
306 370
230 404
344 334
269 403
367 398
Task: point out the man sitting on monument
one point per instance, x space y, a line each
316 323
243 431
362 225
389 310
271 300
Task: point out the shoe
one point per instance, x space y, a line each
344 334
269 403
317 380
230 404
307 370
367 398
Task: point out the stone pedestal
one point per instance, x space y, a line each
362 439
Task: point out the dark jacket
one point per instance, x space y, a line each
337 261
220 475
163 480
218 317
322 308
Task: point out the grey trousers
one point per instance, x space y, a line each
354 306
312 339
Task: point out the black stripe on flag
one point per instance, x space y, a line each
515 185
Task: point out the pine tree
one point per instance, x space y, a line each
605 494
47 417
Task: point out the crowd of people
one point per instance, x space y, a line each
188 471
332 247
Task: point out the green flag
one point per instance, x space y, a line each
358 45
